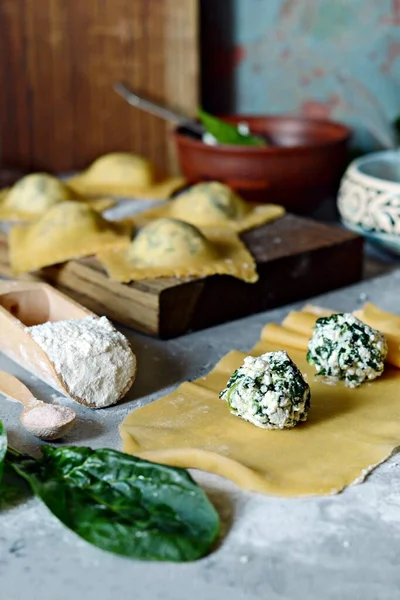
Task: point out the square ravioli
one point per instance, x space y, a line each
173 248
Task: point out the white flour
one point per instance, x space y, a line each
92 357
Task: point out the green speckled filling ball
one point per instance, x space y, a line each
268 391
344 348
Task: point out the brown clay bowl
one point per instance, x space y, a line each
302 166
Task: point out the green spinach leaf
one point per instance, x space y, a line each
14 489
3 448
123 504
226 133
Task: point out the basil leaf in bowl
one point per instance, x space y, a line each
226 133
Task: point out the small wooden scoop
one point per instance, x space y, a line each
45 421
24 304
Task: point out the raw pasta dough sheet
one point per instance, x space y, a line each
347 434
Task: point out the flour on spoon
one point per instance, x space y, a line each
94 360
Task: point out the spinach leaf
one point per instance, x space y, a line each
3 448
226 133
123 504
14 489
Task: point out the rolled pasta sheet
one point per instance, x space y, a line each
283 336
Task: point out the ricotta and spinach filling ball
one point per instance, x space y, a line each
344 348
268 391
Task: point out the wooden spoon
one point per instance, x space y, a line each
27 303
45 421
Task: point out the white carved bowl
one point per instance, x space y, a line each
369 194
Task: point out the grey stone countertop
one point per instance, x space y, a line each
321 548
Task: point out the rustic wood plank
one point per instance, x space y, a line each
183 93
58 62
138 308
296 258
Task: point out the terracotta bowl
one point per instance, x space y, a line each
301 167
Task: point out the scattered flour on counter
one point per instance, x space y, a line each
92 357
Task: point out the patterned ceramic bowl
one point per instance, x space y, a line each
369 194
385 241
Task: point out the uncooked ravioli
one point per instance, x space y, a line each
174 248
123 174
347 434
213 204
208 204
34 194
169 242
68 230
120 167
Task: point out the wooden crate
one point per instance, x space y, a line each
58 61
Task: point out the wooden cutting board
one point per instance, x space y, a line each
76 50
297 258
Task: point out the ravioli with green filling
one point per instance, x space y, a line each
124 174
68 230
213 204
34 194
174 248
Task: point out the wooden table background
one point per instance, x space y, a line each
58 61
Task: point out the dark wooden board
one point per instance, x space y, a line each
297 258
58 62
